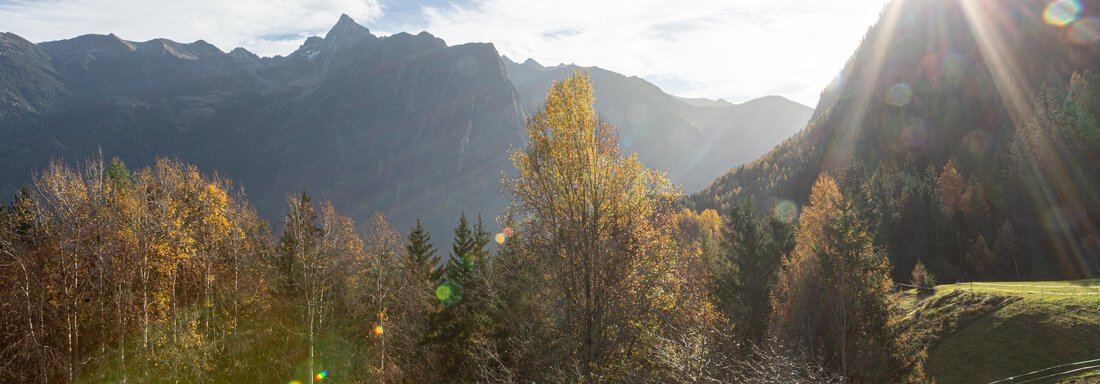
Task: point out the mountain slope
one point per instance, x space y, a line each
695 140
404 124
966 130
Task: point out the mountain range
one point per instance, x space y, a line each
402 124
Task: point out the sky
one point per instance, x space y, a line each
737 50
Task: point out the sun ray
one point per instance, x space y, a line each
841 152
984 20
1048 179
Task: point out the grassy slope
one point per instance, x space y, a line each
995 330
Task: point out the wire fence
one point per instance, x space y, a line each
1052 372
916 287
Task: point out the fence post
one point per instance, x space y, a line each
971 287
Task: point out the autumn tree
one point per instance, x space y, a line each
922 280
833 296
382 311
596 222
138 273
304 268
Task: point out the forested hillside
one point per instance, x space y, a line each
968 130
694 141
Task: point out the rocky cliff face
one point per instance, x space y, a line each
403 124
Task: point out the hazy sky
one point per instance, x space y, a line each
732 49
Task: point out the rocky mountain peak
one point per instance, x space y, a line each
346 27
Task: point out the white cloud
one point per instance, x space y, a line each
266 27
737 50
733 49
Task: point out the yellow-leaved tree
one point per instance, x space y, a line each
833 296
596 223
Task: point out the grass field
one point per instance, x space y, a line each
983 332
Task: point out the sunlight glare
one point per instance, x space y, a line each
1085 31
1050 182
841 152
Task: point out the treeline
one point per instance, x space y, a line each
165 275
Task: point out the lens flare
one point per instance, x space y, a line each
500 238
899 95
978 142
448 293
321 375
443 292
785 211
915 134
1085 31
1061 13
944 69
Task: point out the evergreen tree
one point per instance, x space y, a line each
421 251
463 299
753 247
462 257
118 175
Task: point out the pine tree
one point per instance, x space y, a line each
462 257
752 250
463 300
421 251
